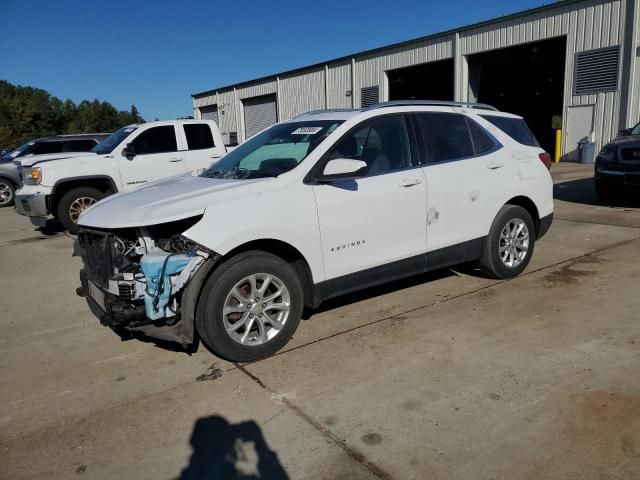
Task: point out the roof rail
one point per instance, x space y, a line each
326 110
400 103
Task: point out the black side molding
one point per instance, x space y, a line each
408 267
545 225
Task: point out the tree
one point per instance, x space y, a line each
27 113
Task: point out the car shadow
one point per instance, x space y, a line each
583 191
51 227
227 451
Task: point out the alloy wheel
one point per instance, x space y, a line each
256 309
514 243
6 193
78 206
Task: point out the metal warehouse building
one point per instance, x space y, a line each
572 65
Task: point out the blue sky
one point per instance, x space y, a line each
154 54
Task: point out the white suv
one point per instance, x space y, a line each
324 204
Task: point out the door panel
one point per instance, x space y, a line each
156 157
259 113
201 149
579 127
378 219
464 190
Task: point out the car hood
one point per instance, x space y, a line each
166 200
629 141
48 157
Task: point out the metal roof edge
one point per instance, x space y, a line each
483 23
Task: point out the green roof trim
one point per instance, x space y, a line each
495 20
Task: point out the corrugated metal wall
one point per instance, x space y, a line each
339 83
370 70
587 25
301 93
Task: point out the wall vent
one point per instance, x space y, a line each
369 96
233 138
596 71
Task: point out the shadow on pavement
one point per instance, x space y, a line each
222 450
583 191
52 227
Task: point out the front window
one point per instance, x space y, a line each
636 130
274 151
112 141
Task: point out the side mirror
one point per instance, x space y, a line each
626 132
343 169
129 150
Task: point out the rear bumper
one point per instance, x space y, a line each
545 225
32 205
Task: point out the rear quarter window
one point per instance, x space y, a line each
516 128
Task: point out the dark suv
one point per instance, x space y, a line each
618 165
60 144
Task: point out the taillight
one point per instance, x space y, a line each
546 159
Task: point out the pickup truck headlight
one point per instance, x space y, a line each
32 175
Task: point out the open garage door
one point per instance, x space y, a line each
259 113
527 80
209 113
427 81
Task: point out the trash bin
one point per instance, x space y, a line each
586 151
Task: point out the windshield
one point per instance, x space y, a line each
112 141
636 130
21 150
274 151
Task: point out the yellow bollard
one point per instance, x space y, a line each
558 145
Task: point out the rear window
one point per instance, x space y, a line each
516 128
46 147
198 135
79 145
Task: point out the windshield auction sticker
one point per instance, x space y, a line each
306 131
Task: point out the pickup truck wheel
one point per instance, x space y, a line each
510 243
250 307
7 193
73 203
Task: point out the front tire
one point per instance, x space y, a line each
509 245
73 203
7 193
250 307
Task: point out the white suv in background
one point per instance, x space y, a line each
326 203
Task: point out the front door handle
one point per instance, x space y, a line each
215 155
410 182
495 165
174 160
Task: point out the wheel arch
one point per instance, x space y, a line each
530 206
9 179
287 252
104 183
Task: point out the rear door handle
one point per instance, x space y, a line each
215 155
410 182
174 160
495 165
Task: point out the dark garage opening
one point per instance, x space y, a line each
527 80
427 81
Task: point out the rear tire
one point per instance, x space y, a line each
250 307
74 202
510 243
7 193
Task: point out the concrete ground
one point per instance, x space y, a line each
447 376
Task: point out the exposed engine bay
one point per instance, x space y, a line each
135 277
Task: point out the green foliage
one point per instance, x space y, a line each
27 113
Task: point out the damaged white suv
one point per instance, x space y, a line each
324 204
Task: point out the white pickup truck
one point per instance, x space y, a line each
132 156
